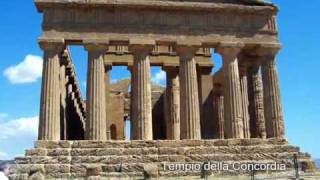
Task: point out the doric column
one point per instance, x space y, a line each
134 125
218 112
63 95
272 99
256 110
245 100
205 86
172 103
189 98
108 69
232 90
142 106
96 103
49 122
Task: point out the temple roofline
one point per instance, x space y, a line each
256 7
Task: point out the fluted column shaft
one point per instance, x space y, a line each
189 98
272 100
172 104
63 97
96 96
49 122
134 124
218 112
108 69
256 109
142 106
232 92
245 101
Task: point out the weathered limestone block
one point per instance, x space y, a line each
109 151
171 158
151 171
53 144
112 168
57 168
36 152
93 170
99 144
132 167
58 152
78 168
50 160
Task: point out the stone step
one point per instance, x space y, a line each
115 159
135 169
162 150
157 143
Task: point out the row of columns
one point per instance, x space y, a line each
182 96
251 104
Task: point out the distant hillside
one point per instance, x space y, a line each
6 161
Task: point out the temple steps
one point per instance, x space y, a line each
68 160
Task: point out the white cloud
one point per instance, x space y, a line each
159 78
27 71
19 128
16 136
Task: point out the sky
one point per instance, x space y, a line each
21 67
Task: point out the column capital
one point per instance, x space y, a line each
57 45
96 45
170 69
229 49
187 50
269 50
141 48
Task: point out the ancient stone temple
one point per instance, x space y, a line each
234 115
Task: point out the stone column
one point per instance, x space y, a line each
205 99
63 95
49 122
96 96
142 106
108 69
232 91
134 125
257 120
172 103
272 100
218 112
245 100
189 98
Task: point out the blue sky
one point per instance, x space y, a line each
20 71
